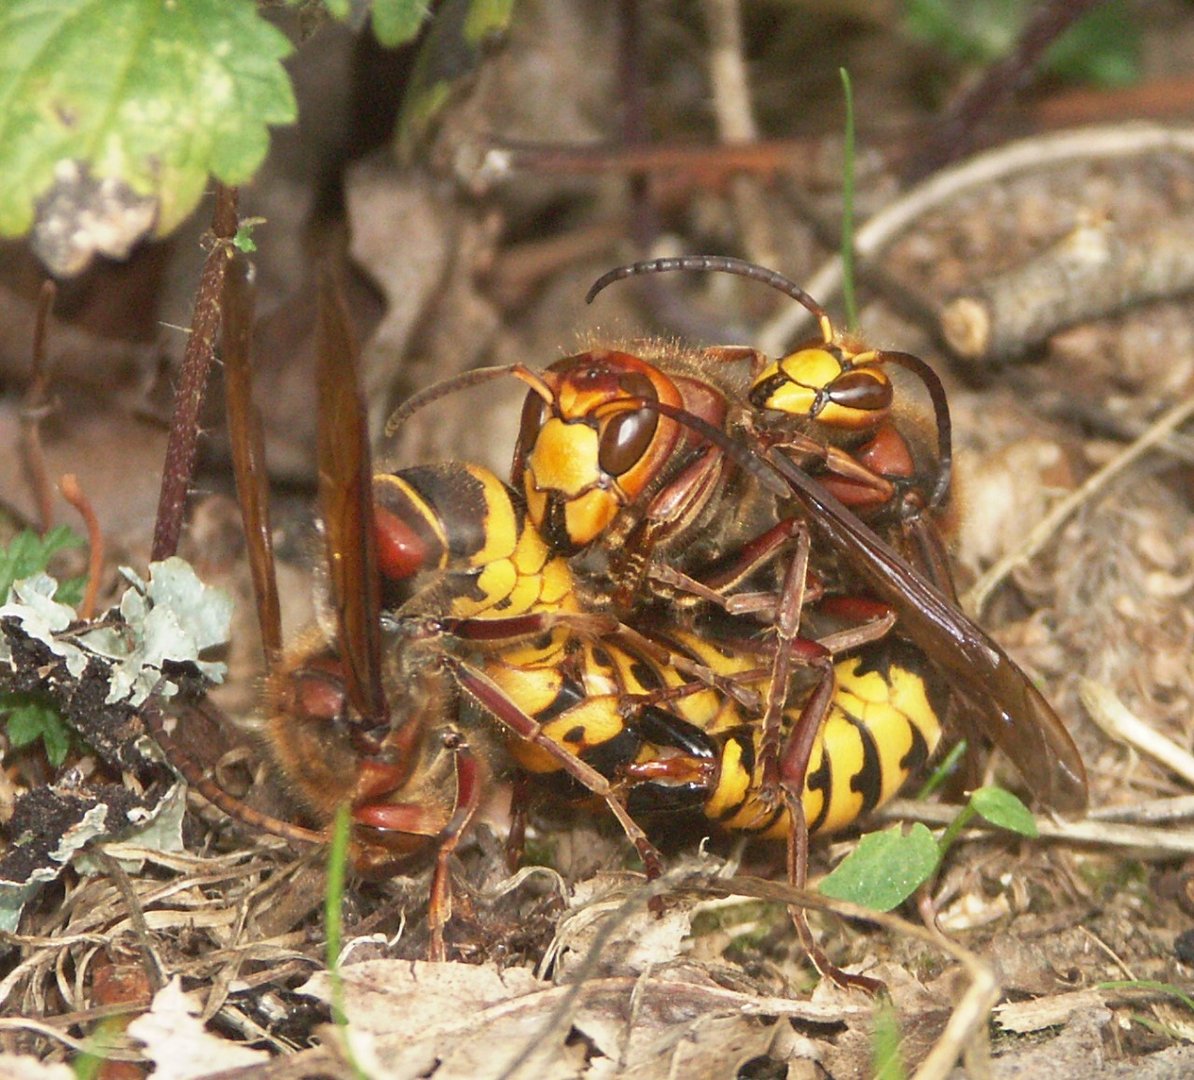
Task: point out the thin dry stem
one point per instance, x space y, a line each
730 88
33 410
1149 812
1161 842
183 446
80 1046
1120 724
73 494
149 958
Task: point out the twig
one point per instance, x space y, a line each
965 1022
1149 812
694 166
1169 422
736 123
182 447
1092 272
1115 141
73 494
1163 842
1156 99
1122 725
34 409
115 872
80 1046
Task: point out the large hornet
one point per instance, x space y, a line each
690 470
819 420
369 708
668 472
823 414
370 714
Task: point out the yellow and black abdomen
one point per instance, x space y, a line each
462 523
575 694
883 725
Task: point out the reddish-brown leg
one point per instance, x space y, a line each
196 776
499 705
468 798
793 772
871 620
516 839
787 626
876 619
798 877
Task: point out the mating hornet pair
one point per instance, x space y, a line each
662 480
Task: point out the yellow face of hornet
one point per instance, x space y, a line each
591 450
827 383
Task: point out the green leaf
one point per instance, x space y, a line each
29 717
885 869
973 32
28 553
1102 47
243 240
447 59
487 17
70 591
1002 808
154 95
395 22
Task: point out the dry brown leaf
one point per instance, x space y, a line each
408 1018
638 939
1076 1052
1051 1011
178 1043
467 1020
444 998
704 1047
20 1067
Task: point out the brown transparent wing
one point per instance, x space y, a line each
346 501
1012 712
248 448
